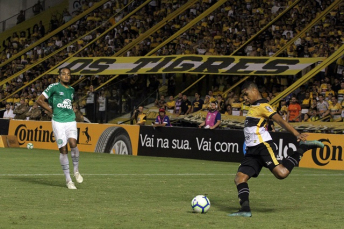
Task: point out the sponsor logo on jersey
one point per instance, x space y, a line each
269 109
67 103
61 93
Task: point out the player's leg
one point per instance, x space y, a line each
72 135
250 167
289 162
61 140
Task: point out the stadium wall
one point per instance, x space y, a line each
178 142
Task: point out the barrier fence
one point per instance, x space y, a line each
177 142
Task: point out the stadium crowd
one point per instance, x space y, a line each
220 33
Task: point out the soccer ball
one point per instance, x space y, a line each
29 146
200 204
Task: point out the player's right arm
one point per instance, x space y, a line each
41 101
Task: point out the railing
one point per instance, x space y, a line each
12 21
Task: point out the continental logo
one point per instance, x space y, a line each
67 103
38 134
323 157
187 64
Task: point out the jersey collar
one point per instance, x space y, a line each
259 101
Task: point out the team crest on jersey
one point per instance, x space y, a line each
269 109
67 103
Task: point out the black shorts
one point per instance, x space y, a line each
257 157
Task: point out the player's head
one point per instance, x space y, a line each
64 75
250 92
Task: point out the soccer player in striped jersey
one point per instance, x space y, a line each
260 149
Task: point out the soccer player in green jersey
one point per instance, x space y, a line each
60 96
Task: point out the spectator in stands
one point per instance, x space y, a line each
21 17
197 103
46 116
8 114
236 105
162 119
220 104
211 96
213 118
102 107
340 92
90 108
311 116
322 107
178 103
114 101
228 109
294 110
161 102
37 8
171 85
206 104
170 104
139 117
20 111
340 67
305 105
41 29
185 107
79 117
35 113
335 110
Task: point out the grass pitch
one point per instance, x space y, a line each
151 192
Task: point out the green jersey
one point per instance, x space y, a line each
60 99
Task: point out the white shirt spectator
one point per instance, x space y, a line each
8 114
102 103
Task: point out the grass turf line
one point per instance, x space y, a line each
147 192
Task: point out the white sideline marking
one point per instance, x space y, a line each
168 174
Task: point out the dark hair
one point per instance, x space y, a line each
249 84
60 70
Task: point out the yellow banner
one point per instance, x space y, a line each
197 64
92 137
330 157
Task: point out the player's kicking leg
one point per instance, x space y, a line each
293 160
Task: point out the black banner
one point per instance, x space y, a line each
4 125
205 144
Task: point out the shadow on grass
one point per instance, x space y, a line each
45 182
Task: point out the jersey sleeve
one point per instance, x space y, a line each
267 111
49 91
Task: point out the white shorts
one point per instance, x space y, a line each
63 131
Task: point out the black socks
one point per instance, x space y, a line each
243 194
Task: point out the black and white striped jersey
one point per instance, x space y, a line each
256 121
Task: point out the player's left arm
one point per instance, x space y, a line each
280 121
